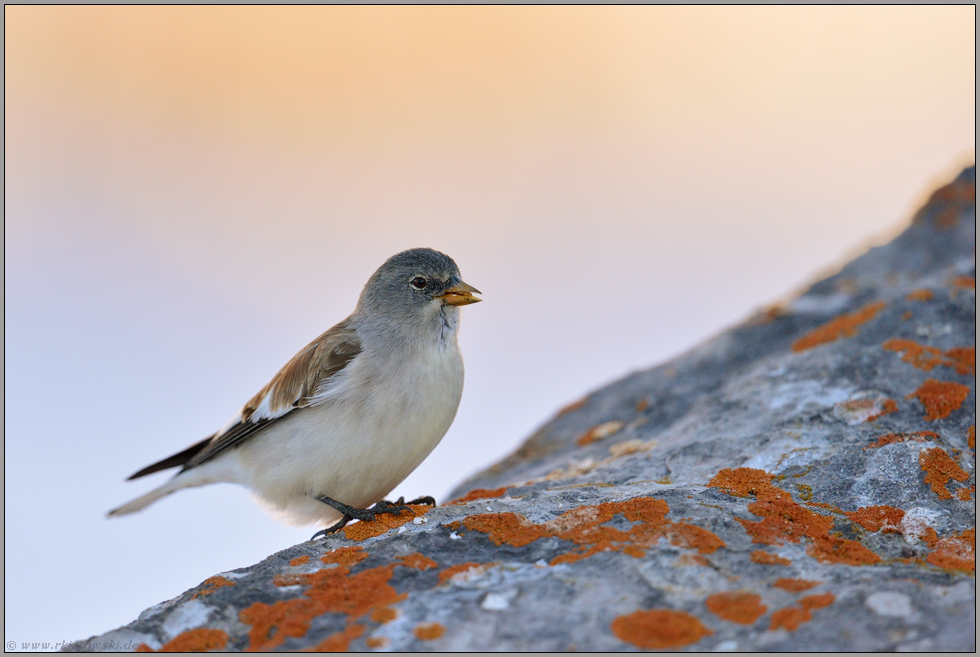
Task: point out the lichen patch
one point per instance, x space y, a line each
428 631
940 398
479 494
925 358
359 531
940 467
657 629
200 639
889 438
585 526
742 607
768 559
885 519
956 552
340 641
795 585
843 326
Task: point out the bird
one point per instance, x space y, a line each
353 413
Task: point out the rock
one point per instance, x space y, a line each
805 481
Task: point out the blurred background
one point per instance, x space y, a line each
193 193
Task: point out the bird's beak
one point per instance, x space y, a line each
460 294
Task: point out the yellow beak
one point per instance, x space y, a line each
460 294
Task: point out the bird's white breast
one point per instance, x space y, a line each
359 444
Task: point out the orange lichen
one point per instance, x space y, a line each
584 526
339 641
844 326
416 560
831 549
509 528
331 590
383 522
599 432
428 631
574 406
964 359
376 641
885 519
887 406
966 494
345 556
384 615
889 438
740 607
917 355
961 359
200 639
791 618
920 295
659 628
763 557
479 494
684 535
213 584
795 585
971 437
743 482
299 561
948 203
906 315
458 568
682 561
956 552
968 282
642 404
940 398
929 537
940 468
785 520
818 601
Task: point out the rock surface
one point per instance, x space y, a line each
804 481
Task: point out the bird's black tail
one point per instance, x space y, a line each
179 459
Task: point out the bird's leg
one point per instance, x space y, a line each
336 527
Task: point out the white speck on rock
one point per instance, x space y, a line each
454 536
889 603
541 563
498 601
726 646
916 521
489 509
402 529
417 521
189 615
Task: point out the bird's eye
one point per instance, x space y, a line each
419 283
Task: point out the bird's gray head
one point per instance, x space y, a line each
417 286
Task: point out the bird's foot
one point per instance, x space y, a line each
425 500
364 515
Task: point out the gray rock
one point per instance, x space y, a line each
804 481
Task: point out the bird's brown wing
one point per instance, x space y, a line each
296 385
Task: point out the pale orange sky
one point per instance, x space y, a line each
193 193
369 76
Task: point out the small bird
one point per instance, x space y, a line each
353 413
